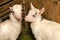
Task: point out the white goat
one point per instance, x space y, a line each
42 29
10 29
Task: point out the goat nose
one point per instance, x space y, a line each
25 18
19 18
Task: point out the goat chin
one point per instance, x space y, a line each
46 30
10 29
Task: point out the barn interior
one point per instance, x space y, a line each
52 12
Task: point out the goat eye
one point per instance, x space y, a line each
12 11
33 15
22 10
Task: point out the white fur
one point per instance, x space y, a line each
42 29
10 29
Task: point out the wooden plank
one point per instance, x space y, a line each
2 19
3 2
5 13
5 8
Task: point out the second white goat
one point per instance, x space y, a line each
42 29
11 28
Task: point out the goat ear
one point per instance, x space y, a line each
11 8
42 10
32 7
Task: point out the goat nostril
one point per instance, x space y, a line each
25 18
